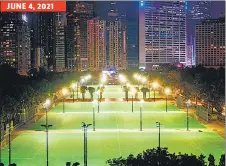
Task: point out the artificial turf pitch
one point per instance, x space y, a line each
117 134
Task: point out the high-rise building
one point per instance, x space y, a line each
116 39
60 24
23 46
210 43
162 33
96 44
78 13
132 43
15 41
42 40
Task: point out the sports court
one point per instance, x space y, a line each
117 133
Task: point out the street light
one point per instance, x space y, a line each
64 92
138 79
122 79
85 126
149 93
94 104
188 103
167 92
141 104
73 85
155 86
158 124
77 89
46 106
143 80
9 139
133 91
103 79
98 101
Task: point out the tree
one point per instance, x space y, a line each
211 160
144 91
126 89
101 90
158 157
83 91
91 91
222 160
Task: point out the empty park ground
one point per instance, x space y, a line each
117 132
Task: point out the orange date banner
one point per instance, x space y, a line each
33 6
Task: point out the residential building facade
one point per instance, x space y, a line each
96 44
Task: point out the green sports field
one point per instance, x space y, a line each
117 134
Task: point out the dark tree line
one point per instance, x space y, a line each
161 157
18 93
196 83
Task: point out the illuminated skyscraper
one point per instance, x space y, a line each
96 44
210 43
78 13
60 23
116 39
162 33
15 41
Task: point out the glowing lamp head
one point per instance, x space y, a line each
167 91
47 103
94 102
128 85
73 85
123 79
133 91
144 79
104 79
64 91
141 102
135 76
155 85
188 102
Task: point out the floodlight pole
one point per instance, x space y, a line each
132 102
98 104
63 104
9 137
93 118
85 126
187 119
149 91
166 104
73 95
47 137
158 124
77 90
141 117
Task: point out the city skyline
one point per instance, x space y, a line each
63 44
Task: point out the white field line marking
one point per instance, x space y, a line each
208 133
199 148
126 112
116 130
41 147
119 145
